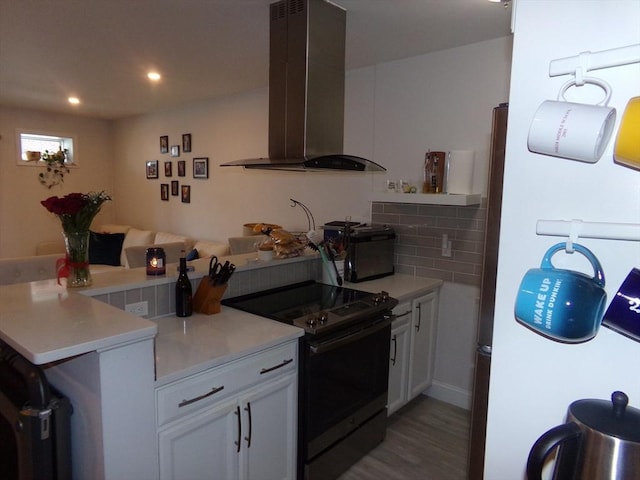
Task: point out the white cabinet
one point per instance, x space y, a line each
269 445
201 446
423 343
399 358
236 421
413 347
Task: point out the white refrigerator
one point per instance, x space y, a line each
534 379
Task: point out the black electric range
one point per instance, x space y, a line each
344 369
318 308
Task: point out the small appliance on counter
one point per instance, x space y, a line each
334 233
369 253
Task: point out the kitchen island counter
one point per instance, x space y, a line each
45 322
401 287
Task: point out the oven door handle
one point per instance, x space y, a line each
322 347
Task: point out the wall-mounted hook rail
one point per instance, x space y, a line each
578 228
587 61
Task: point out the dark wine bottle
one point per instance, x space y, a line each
184 307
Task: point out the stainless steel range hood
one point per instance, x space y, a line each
306 90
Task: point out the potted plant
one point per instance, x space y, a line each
56 167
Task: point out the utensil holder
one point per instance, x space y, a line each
207 297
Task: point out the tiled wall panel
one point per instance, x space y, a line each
419 229
161 298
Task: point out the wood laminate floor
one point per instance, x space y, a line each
427 440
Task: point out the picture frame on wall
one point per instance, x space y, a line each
186 142
164 143
186 193
201 167
164 192
175 188
168 169
182 167
175 150
152 169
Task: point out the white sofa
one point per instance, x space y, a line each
132 253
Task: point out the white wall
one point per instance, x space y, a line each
394 112
23 221
533 379
456 345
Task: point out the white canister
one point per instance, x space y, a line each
460 171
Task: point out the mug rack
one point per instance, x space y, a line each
579 65
577 228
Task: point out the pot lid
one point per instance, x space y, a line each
614 418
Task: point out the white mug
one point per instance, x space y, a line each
576 131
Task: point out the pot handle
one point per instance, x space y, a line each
597 268
545 445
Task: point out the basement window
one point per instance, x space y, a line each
31 146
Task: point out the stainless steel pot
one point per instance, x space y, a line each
601 440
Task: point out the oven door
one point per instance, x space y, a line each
345 382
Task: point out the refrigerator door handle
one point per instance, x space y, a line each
484 350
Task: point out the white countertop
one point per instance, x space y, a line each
398 286
185 346
45 322
196 343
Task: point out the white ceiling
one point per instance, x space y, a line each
100 50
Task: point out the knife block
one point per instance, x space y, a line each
207 297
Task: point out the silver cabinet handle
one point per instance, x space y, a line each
248 438
213 391
280 365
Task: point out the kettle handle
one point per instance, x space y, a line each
597 268
546 443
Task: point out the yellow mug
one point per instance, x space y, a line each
627 149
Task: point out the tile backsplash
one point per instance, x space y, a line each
419 229
160 298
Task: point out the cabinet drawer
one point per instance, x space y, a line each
203 389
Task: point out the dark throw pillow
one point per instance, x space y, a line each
105 248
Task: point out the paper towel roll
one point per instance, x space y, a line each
460 171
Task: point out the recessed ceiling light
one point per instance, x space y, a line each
74 100
154 76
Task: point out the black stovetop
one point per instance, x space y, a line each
299 303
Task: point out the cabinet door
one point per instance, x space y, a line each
399 358
423 343
269 431
202 446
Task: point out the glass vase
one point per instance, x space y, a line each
77 260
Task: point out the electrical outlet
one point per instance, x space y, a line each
139 308
446 245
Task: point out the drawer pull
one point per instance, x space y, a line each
271 369
248 410
213 391
395 349
237 442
